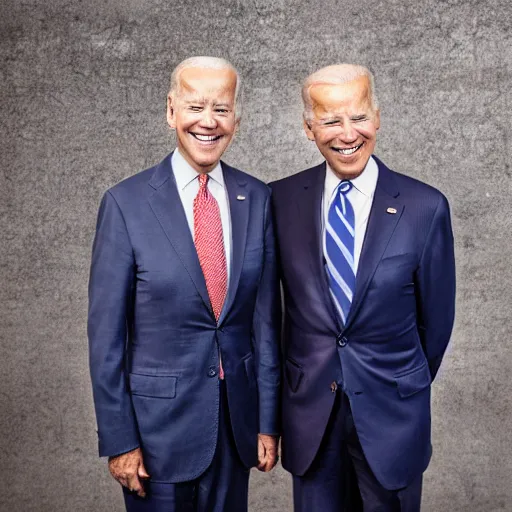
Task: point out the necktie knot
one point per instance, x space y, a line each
203 181
345 187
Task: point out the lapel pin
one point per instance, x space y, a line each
240 198
391 210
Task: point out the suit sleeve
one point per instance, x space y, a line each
436 287
110 298
266 329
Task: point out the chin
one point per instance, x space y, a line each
348 174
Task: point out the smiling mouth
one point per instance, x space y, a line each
206 139
348 151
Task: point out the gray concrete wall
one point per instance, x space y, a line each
83 85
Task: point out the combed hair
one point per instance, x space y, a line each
335 75
207 63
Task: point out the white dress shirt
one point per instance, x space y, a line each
360 197
188 186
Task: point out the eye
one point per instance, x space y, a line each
331 123
359 118
195 108
222 110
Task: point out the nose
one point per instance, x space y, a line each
208 119
348 133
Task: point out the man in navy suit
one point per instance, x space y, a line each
184 313
367 268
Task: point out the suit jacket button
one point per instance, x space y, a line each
212 371
341 340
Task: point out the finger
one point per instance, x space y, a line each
123 481
261 451
270 464
141 471
262 462
274 458
135 485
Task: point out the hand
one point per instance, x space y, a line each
128 469
267 452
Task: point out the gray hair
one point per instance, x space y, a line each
334 75
207 63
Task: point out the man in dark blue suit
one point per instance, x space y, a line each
184 313
367 268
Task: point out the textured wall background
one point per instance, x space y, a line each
83 86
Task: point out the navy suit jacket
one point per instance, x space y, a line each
396 333
153 338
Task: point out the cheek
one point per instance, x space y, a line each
182 127
228 127
185 122
323 140
367 133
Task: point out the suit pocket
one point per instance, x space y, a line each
153 386
294 374
413 381
249 369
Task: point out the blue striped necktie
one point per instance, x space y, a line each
339 250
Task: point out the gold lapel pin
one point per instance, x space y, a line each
391 210
240 198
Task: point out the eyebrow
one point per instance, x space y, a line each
327 119
203 101
337 118
195 100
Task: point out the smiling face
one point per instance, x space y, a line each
344 125
202 111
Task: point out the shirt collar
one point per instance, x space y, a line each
364 183
185 174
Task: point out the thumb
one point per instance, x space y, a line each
141 471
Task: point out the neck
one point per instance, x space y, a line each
201 169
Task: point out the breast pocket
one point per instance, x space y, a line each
407 259
395 272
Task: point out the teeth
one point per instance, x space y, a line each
206 138
348 151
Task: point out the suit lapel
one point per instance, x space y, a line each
168 209
239 208
380 228
309 203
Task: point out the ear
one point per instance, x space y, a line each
307 128
376 121
171 112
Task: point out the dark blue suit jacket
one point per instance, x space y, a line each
153 337
396 334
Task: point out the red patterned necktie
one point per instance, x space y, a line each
209 244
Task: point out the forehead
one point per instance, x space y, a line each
208 83
351 95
